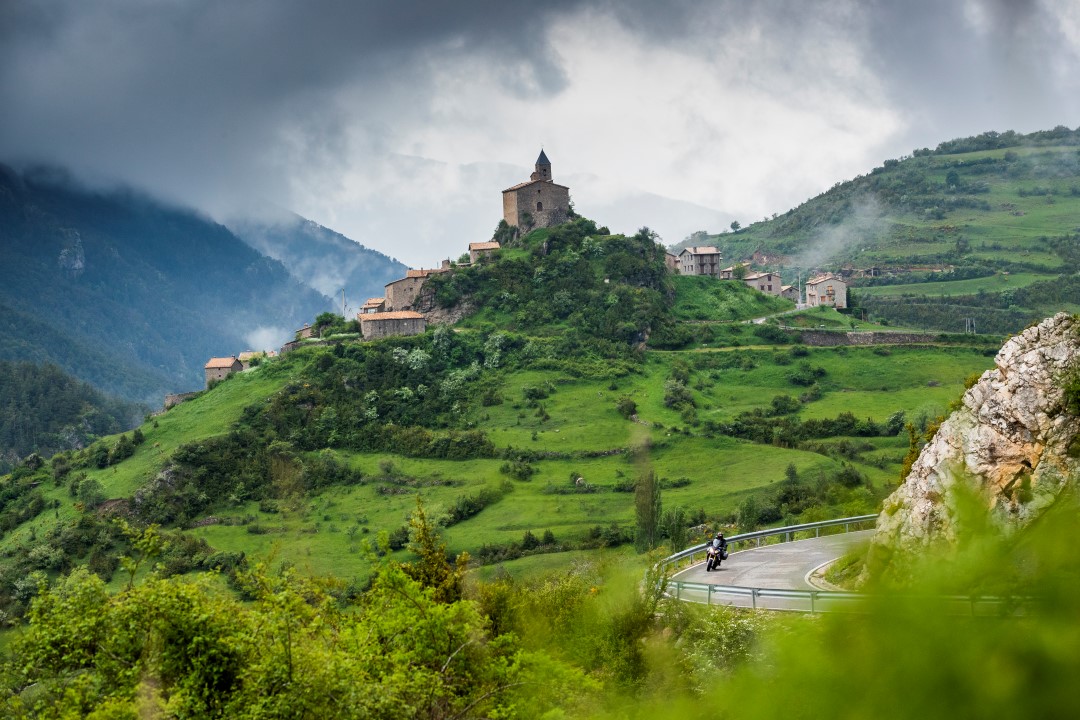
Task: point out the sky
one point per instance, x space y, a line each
399 123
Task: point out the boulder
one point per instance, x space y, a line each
1012 446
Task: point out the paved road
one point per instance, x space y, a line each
780 567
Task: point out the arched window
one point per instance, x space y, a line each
539 206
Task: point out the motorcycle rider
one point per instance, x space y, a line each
717 552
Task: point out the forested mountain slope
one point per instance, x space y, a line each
45 410
155 290
321 258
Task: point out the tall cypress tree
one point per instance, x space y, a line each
648 508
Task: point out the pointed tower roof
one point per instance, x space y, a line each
543 159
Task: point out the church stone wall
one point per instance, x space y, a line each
554 201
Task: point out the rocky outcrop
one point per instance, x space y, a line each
1012 446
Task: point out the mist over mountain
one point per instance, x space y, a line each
319 257
129 294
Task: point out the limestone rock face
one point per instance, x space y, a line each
1011 445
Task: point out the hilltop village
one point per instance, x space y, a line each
539 202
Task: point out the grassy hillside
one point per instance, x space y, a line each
527 430
575 431
705 299
978 228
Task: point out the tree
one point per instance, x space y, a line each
739 271
124 449
735 226
674 527
647 507
433 569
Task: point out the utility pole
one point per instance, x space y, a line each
342 302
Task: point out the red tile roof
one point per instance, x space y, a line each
532 182
217 363
395 315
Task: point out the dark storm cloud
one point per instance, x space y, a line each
961 68
207 87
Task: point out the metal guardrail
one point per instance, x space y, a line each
815 601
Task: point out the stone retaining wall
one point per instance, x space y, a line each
826 338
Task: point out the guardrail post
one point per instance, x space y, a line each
787 537
753 598
709 601
847 527
678 591
813 594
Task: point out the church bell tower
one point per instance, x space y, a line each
543 168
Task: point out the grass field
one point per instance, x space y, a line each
993 283
705 298
213 413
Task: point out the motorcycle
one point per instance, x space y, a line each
713 557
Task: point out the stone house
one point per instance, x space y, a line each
478 250
766 282
704 260
789 292
305 332
401 294
373 305
221 368
826 289
538 203
396 322
728 273
671 260
247 356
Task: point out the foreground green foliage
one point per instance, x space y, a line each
586 641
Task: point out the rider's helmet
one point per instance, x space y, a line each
720 534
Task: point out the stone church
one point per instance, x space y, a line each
538 203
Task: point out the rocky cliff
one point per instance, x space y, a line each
1012 445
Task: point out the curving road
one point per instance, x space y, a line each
780 567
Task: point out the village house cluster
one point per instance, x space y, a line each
827 289
219 368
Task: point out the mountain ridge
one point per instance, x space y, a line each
154 288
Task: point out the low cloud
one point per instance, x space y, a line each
267 338
864 222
